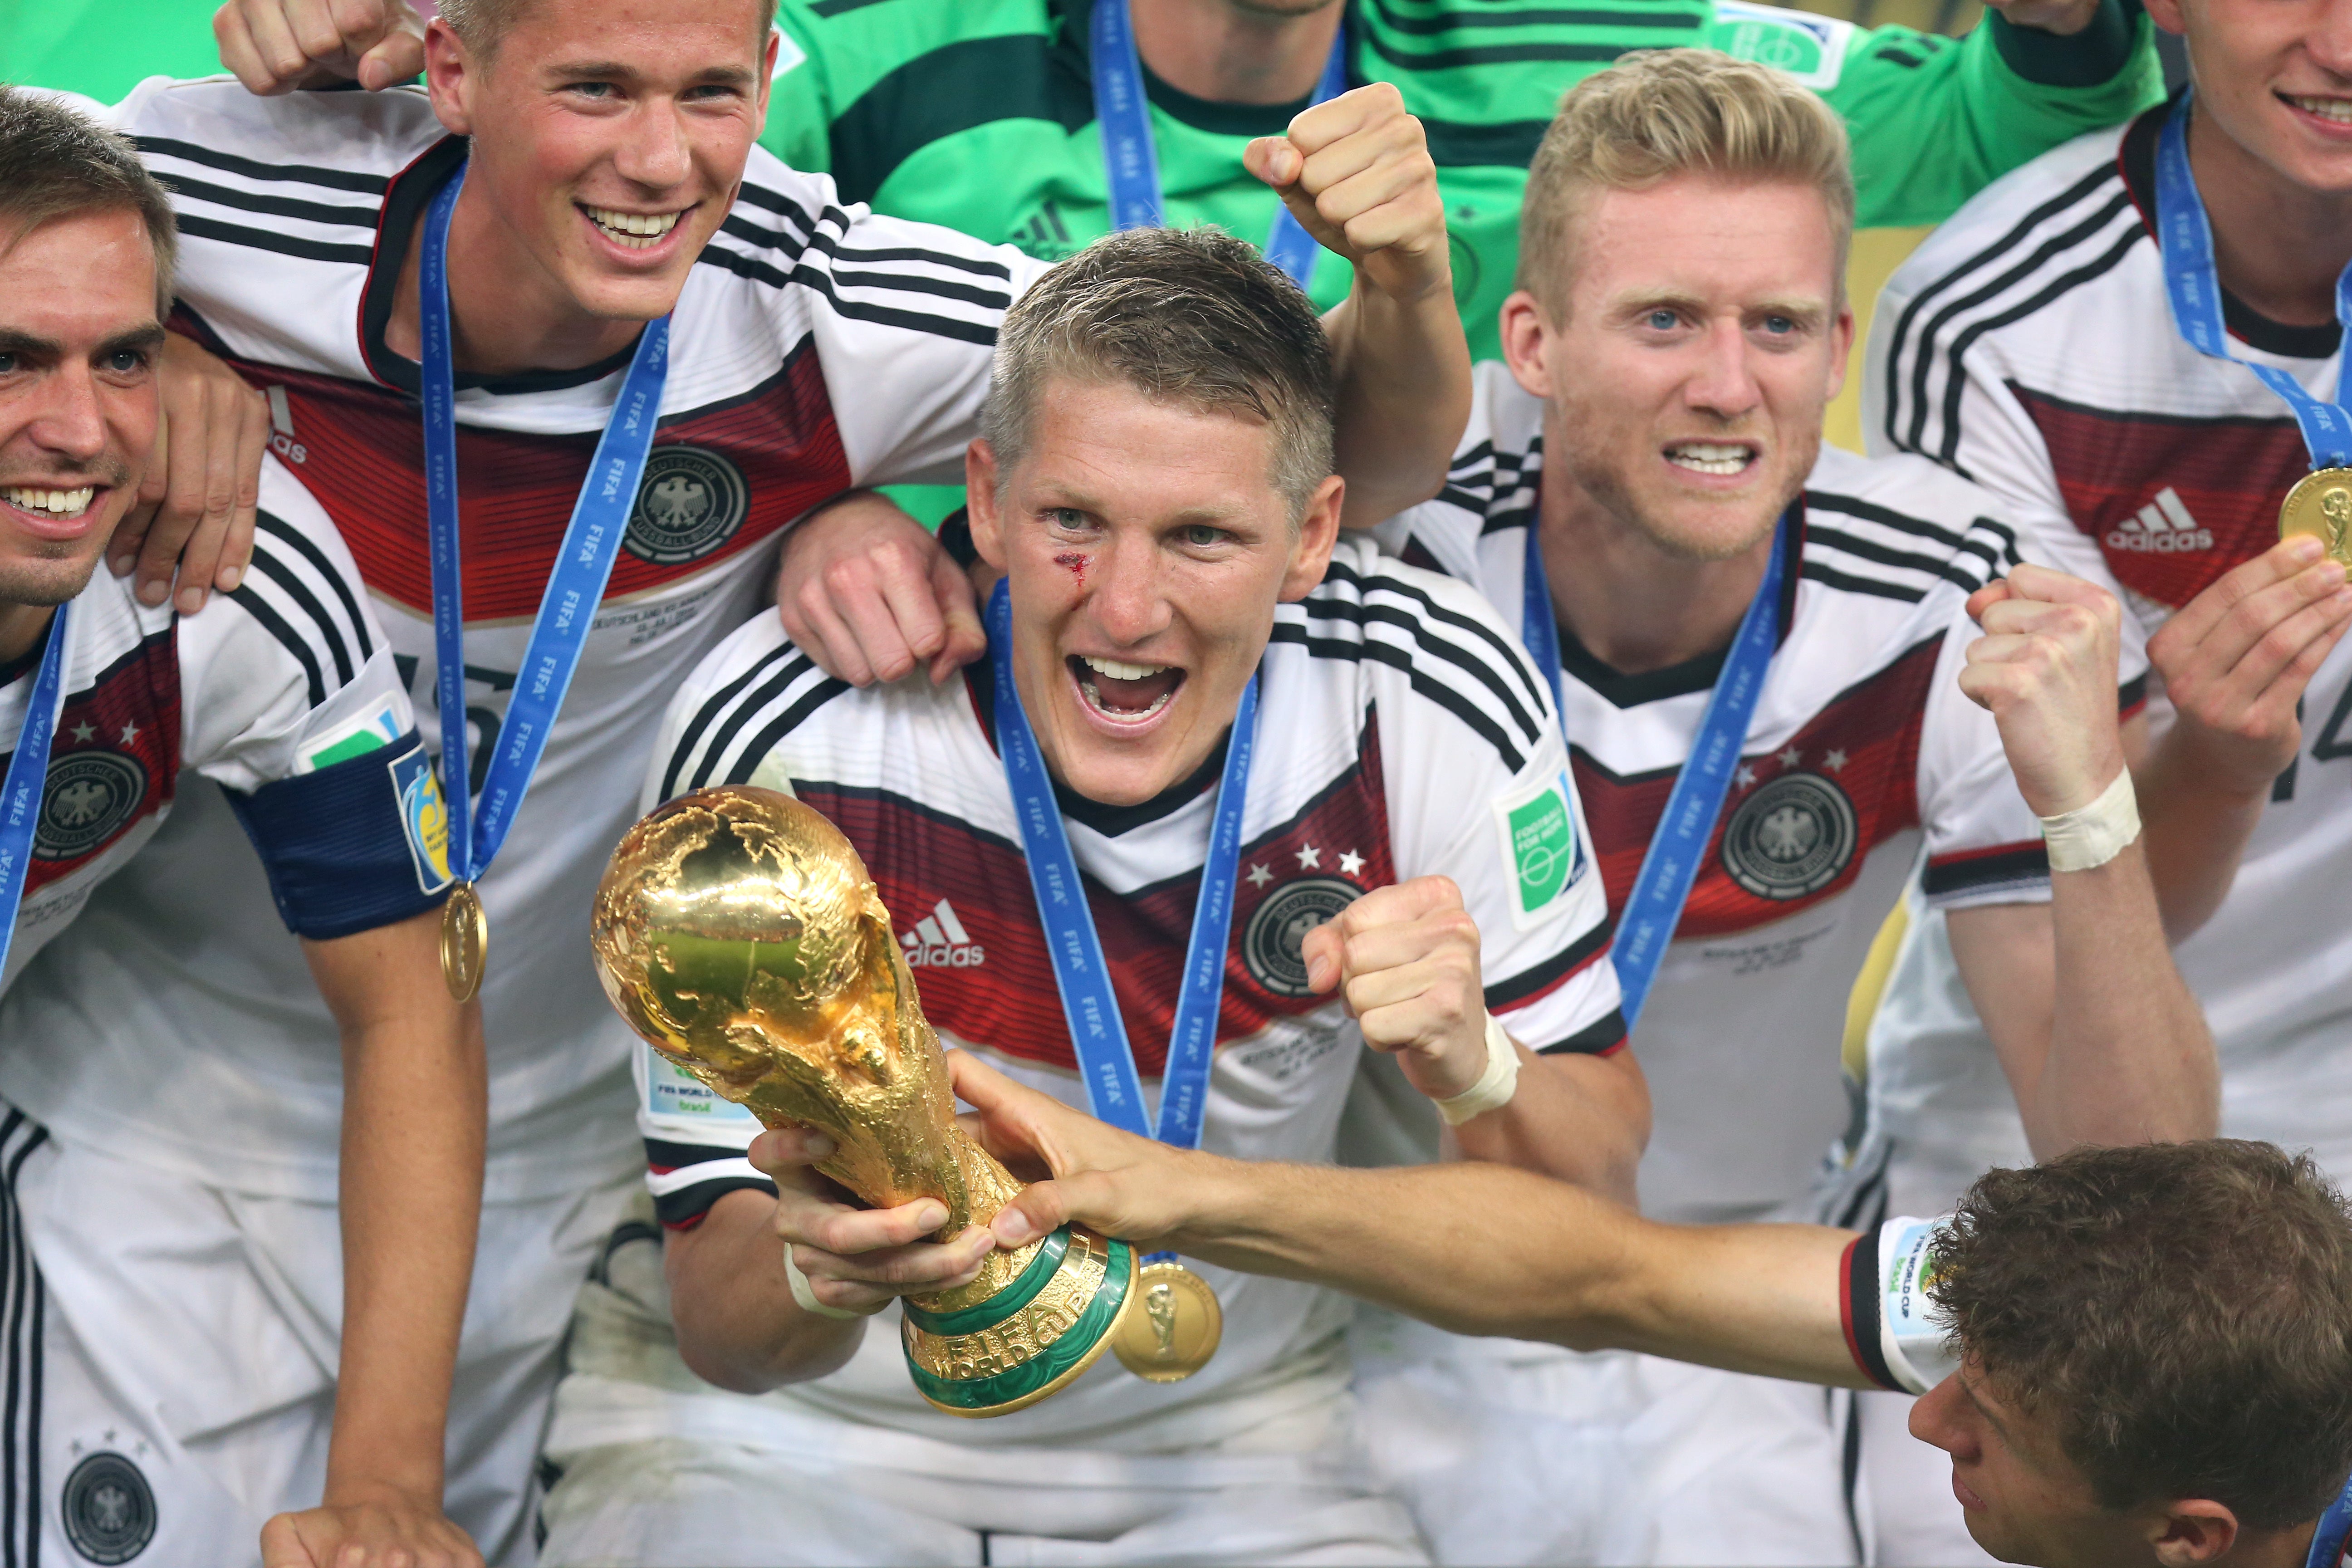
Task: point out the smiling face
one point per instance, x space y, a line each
1146 547
609 139
78 342
1701 339
2277 77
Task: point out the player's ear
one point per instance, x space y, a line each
2193 1532
451 76
1311 544
1841 347
980 502
1525 327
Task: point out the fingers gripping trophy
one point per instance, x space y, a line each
738 931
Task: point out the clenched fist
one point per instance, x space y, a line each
1404 959
1357 175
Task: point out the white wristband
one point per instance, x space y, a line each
2091 836
808 1302
1495 1086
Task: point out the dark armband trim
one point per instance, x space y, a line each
359 844
1858 1310
955 538
1599 1038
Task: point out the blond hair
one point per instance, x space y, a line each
1657 113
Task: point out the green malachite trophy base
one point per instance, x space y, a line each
1032 1338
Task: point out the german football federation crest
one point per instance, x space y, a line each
1278 929
690 502
1791 838
86 800
108 1509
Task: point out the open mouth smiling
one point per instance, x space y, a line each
632 231
41 501
1122 692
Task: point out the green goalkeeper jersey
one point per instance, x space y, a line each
979 114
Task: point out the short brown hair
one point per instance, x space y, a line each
1657 113
55 163
2181 1312
482 25
1189 316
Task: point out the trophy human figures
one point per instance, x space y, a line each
738 931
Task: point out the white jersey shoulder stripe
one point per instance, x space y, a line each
1385 596
295 592
2075 237
776 694
1872 548
251 169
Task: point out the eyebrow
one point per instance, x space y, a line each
14 340
149 336
719 76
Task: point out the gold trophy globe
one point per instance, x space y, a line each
736 930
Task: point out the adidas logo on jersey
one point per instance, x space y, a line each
939 941
2162 527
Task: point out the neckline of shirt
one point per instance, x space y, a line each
1111 821
2136 160
1621 689
405 201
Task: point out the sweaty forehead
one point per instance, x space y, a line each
1703 237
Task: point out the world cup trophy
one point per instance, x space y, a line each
738 931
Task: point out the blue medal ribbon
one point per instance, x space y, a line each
2334 1526
2195 290
1098 1033
1123 115
1645 927
592 541
28 770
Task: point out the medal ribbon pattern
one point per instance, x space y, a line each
1098 1033
591 542
28 771
1130 162
1647 925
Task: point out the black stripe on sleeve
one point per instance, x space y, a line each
2026 865
1902 560
684 1208
719 701
1510 658
269 619
1852 584
328 635
229 162
1566 962
308 549
1863 1306
274 206
1597 1039
2132 694
783 724
816 281
1906 324
1445 696
283 244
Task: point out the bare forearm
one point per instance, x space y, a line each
1582 1119
2131 1060
411 1192
2195 833
738 1325
1480 1248
1404 397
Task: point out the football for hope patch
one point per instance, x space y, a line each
1541 846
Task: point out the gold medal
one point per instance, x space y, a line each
465 942
2321 505
1174 1326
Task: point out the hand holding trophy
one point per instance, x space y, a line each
738 931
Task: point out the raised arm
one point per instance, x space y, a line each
414 1105
2100 1038
1474 1247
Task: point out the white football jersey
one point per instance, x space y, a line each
2029 344
814 348
282 680
1401 732
1861 750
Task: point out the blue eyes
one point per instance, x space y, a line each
1663 320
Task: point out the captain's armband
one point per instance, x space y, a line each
1892 1327
355 845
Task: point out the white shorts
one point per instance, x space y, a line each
658 1467
1510 1453
171 1384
